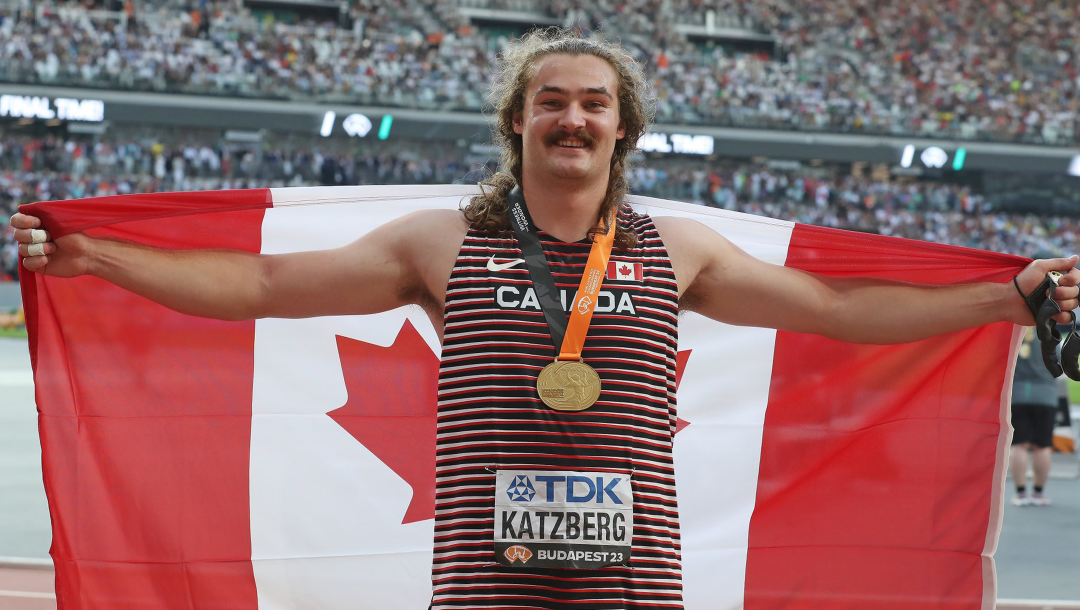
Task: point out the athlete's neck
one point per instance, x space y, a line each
565 211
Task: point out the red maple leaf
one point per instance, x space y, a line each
391 409
392 405
625 269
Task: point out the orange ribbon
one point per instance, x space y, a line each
581 311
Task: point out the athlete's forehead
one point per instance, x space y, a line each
573 75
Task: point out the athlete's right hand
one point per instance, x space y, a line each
67 256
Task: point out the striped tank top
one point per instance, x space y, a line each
495 343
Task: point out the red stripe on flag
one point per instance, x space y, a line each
878 463
75 215
146 470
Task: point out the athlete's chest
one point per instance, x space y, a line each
493 274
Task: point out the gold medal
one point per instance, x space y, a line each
568 385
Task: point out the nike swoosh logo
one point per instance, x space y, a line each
496 267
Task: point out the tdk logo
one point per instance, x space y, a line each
571 488
521 489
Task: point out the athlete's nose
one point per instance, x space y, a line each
573 118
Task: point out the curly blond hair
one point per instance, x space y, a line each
489 210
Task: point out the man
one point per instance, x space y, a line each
513 425
1036 396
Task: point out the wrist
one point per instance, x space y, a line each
1014 304
93 257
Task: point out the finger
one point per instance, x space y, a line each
1072 278
31 236
1064 264
1066 293
34 250
35 263
1063 317
1068 304
24 221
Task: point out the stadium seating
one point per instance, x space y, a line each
1004 73
1002 70
33 169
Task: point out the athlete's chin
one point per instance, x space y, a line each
570 171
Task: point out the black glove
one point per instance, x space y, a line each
1043 307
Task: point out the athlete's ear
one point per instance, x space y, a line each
621 133
519 124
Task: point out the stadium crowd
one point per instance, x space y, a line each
976 69
37 169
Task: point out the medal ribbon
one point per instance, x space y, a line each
570 336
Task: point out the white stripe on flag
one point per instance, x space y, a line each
723 395
318 495
326 513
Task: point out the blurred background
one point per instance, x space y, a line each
953 121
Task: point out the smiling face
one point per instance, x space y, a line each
570 121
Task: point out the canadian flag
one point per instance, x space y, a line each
271 464
624 271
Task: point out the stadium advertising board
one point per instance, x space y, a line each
355 125
679 143
922 156
932 157
48 108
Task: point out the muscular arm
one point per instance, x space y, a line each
720 281
406 261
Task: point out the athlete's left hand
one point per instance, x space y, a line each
1067 294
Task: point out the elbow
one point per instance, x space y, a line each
252 302
257 303
830 317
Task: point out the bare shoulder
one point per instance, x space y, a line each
431 240
682 231
690 245
442 219
425 232
434 224
420 246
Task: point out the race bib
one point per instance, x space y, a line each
563 519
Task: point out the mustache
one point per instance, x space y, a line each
561 134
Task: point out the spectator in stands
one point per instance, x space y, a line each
965 72
33 169
147 160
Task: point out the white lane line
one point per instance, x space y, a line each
27 594
16 378
1037 604
24 563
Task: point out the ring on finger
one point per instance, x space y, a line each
36 249
38 236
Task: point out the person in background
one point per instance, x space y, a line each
1035 397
